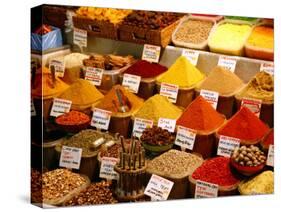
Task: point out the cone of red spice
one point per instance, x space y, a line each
245 126
201 116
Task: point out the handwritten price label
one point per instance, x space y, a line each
191 55
227 63
60 106
140 125
267 67
210 96
132 82
101 119
94 75
254 105
167 124
151 53
185 137
107 168
227 145
205 189
59 67
270 156
70 157
80 37
170 91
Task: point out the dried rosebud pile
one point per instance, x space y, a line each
157 136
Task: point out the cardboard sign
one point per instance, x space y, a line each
101 119
185 137
132 82
191 55
158 188
70 157
270 156
170 91
59 67
267 67
227 63
80 37
254 105
205 189
151 53
107 168
167 124
32 109
140 125
210 96
60 106
94 75
227 145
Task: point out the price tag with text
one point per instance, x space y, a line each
167 124
267 67
270 156
151 53
132 82
33 111
254 105
80 37
170 91
140 125
94 75
101 119
60 106
107 168
227 63
59 67
210 96
191 55
205 189
185 137
227 145
158 188
70 157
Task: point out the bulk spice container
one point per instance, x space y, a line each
261 87
216 171
148 72
201 117
175 166
183 74
226 84
123 105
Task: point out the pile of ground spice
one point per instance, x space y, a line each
201 116
262 37
268 140
244 125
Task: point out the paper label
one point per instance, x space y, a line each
107 168
270 156
132 82
185 137
101 119
205 189
267 67
60 106
151 53
94 75
254 105
227 145
210 96
170 91
59 67
227 63
191 55
33 111
140 125
167 124
70 157
158 188
80 37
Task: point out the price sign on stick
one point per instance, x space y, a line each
140 125
151 53
94 75
205 189
227 145
107 168
167 124
170 91
101 119
270 156
60 106
70 157
254 105
210 96
191 55
80 38
59 67
132 82
267 67
227 62
185 137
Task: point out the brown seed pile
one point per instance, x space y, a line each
157 136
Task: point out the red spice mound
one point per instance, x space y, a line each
200 115
146 69
269 139
217 171
244 125
72 118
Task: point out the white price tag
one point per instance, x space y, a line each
70 157
170 91
227 63
267 67
60 106
107 168
158 188
140 125
151 53
94 75
210 96
254 105
101 119
80 37
185 137
270 156
132 82
59 66
191 55
227 145
33 111
167 124
205 189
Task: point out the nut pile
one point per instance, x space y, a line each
97 193
36 186
194 31
249 156
157 136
